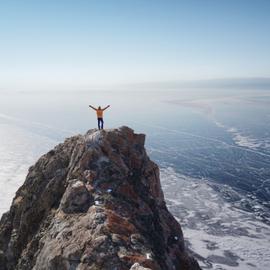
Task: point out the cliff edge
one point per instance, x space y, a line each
93 202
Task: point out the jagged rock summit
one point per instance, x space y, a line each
93 202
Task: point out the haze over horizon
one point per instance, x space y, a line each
88 44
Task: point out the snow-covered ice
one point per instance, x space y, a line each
221 235
19 150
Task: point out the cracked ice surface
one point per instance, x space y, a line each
221 235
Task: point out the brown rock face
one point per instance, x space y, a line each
93 202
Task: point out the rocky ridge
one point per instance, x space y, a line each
93 202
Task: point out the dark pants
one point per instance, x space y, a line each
100 123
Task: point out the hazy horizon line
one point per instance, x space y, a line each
238 83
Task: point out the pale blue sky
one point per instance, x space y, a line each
82 44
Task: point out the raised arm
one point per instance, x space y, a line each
106 108
92 107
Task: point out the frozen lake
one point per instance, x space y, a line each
213 148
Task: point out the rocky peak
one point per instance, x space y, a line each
93 202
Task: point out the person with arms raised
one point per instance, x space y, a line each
99 112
